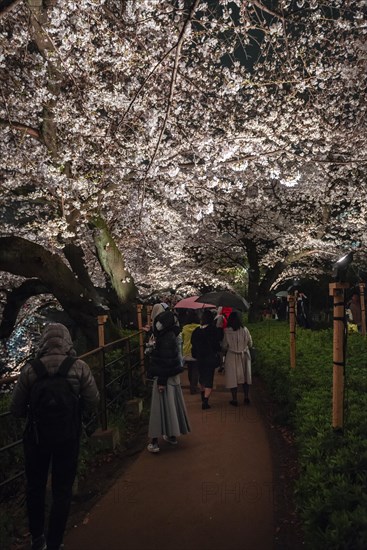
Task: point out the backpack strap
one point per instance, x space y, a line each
65 365
39 368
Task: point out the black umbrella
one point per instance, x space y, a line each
225 298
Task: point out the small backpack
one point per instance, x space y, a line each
54 406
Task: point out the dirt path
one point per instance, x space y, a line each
214 490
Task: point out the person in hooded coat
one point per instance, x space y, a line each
54 346
168 415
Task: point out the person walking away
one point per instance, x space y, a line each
220 320
355 308
192 322
282 308
206 349
302 310
51 392
168 415
236 342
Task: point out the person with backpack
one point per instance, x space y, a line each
52 392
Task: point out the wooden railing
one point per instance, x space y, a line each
118 367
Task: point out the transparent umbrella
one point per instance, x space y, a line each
282 294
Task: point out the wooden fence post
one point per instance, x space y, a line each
339 326
101 319
363 307
292 329
139 309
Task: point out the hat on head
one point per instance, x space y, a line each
157 309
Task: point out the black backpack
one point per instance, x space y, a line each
54 407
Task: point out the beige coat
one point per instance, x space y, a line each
237 363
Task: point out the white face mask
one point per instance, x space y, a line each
158 325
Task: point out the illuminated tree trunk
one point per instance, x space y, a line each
113 263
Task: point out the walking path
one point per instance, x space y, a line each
212 491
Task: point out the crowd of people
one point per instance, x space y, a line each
277 308
55 389
204 341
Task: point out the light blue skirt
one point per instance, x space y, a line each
168 415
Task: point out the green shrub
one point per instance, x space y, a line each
331 492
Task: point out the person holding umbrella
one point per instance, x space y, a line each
205 347
236 342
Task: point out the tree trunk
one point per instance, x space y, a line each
259 287
75 256
113 263
255 300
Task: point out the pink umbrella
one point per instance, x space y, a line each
191 303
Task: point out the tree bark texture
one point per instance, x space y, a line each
259 285
113 263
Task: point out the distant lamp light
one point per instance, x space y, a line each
340 267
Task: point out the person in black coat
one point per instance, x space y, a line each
205 342
168 416
165 359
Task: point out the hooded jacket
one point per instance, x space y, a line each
56 344
165 360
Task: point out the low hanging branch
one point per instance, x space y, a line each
30 260
15 300
28 130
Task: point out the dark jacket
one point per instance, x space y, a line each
56 344
165 360
205 342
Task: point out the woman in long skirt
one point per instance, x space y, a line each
168 415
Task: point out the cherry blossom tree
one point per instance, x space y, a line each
135 132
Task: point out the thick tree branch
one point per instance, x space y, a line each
6 5
75 256
15 299
28 259
266 9
28 130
